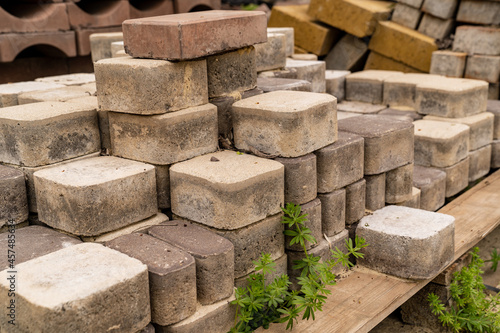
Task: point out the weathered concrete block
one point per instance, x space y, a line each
333 206
457 177
143 86
193 35
86 286
10 91
479 12
495 154
376 60
477 40
57 94
413 3
375 191
312 71
285 123
479 162
407 242
444 9
305 56
74 79
211 189
400 90
76 197
448 63
432 185
280 268
214 256
436 27
483 67
360 107
406 15
172 275
367 86
289 36
268 84
347 54
163 186
388 145
340 163
167 138
355 195
413 201
344 115
100 44
13 199
494 107
300 178
313 211
59 131
335 83
494 91
271 54
440 144
399 184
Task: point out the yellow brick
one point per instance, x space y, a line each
311 36
403 44
378 61
357 17
299 50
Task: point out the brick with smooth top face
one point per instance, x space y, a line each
388 144
312 71
43 133
399 184
355 201
214 256
367 86
477 40
479 162
146 87
375 191
332 212
347 54
436 27
406 15
75 79
493 106
13 198
479 12
360 107
193 35
340 163
58 94
432 185
268 84
407 242
300 178
172 275
457 177
495 154
444 9
209 189
76 197
10 91
271 54
285 123
483 67
400 90
313 211
87 287
448 63
289 35
335 83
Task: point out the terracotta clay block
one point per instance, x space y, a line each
42 17
13 198
300 178
93 15
333 212
355 201
312 71
432 185
193 35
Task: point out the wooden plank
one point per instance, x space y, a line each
364 298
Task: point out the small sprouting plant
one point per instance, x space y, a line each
471 310
495 258
259 304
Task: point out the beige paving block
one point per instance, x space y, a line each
457 177
400 90
335 83
479 12
401 112
495 154
348 53
10 91
358 18
494 107
13 198
145 86
413 201
361 108
377 61
271 54
479 162
117 47
406 15
100 44
355 195
163 186
477 40
444 9
285 123
268 84
432 185
87 287
344 115
312 71
300 178
399 184
482 67
96 195
436 27
212 188
448 63
167 138
74 79
289 35
304 56
375 191
368 86
58 94
333 207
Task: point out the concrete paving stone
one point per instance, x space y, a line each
280 268
313 211
355 196
76 197
451 97
271 54
360 107
399 184
146 87
481 127
479 12
479 162
167 138
378 61
163 185
304 56
44 133
494 91
477 40
403 44
58 94
414 201
436 27
457 177
407 242
375 191
172 275
432 185
368 86
185 6
440 144
212 188
493 106
289 35
75 79
268 84
285 123
140 9
344 114
335 83
310 35
333 212
120 54
406 15
195 35
340 163
444 9
448 63
312 71
348 53
401 111
214 256
9 92
287 73
357 18
400 90
100 44
33 17
117 47
81 16
300 178
87 287
483 67
13 198
413 3
388 144
495 154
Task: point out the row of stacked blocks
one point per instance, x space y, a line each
237 196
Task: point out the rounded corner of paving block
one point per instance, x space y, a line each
406 242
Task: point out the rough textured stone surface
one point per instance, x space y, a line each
193 35
479 162
144 86
432 185
75 79
388 145
335 83
367 86
399 184
413 201
86 286
214 256
300 178
375 191
58 94
285 123
440 8
400 90
59 131
413 3
406 15
280 268
226 190
172 276
13 198
340 163
344 115
494 107
349 53
477 40
76 197
401 112
457 177
289 35
360 107
332 212
271 54
163 186
376 60
436 27
479 12
313 211
355 201
268 84
495 154
407 242
445 277
312 71
100 44
448 63
483 67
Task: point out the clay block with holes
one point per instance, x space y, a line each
184 6
432 185
13 199
27 17
332 212
140 8
300 178
399 184
85 43
355 196
92 14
